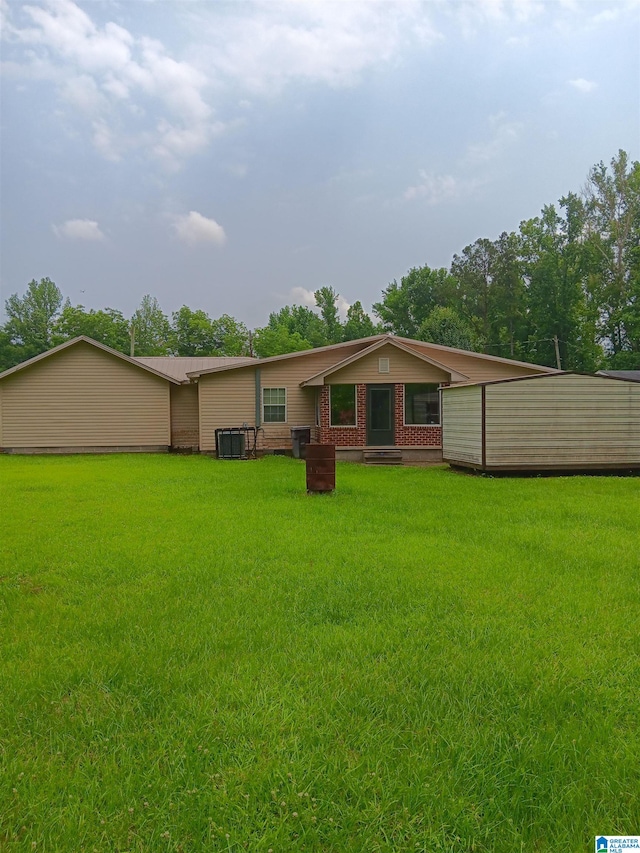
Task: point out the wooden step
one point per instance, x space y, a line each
382 457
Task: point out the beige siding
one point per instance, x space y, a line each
185 427
563 420
83 397
403 367
300 401
462 424
226 400
478 369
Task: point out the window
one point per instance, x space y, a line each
343 405
421 404
274 405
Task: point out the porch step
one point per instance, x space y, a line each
382 457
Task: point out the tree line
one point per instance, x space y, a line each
562 290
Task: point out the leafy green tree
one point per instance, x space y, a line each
473 270
508 294
445 326
326 300
108 326
31 318
232 336
10 354
270 341
556 267
405 306
192 333
612 205
152 332
358 324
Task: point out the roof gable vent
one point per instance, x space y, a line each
383 365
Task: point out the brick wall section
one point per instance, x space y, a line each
406 436
344 436
414 436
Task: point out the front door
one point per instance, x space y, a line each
380 415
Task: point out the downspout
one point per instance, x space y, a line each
258 401
483 428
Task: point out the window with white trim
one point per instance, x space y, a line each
421 404
274 405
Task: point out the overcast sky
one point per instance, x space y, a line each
236 156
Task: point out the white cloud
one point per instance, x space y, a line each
432 188
195 228
582 85
302 296
79 229
505 134
266 45
101 70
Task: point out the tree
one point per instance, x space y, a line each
473 270
326 300
359 324
151 328
192 333
31 319
405 306
270 341
556 268
108 326
508 292
232 335
445 326
612 206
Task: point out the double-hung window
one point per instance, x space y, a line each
421 404
274 405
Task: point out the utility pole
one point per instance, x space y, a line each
555 343
132 335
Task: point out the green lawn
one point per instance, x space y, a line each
196 655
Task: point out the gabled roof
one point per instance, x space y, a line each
97 345
288 355
409 343
179 366
482 355
318 378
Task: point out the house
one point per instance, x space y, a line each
561 421
381 392
83 397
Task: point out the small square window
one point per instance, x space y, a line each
274 405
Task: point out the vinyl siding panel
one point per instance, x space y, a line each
84 398
462 424
185 423
403 368
563 421
226 400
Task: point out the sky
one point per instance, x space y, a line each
234 156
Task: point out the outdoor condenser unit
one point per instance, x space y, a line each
231 444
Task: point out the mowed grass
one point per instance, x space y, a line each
196 655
